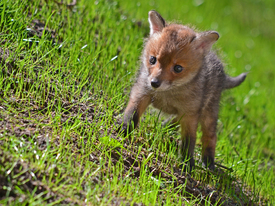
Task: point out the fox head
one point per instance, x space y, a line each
174 54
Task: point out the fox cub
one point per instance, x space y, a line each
179 75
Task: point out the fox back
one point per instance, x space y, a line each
181 76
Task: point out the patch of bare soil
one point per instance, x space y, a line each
22 172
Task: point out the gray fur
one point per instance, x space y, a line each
231 82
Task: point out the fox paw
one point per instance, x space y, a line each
188 165
208 162
125 129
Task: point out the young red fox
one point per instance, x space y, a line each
180 76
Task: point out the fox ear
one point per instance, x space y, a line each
157 23
205 40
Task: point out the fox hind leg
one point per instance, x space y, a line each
189 126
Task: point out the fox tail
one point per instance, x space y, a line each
231 82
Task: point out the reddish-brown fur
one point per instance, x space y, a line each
181 76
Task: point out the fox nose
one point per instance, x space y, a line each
155 83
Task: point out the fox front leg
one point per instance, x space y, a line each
135 108
189 126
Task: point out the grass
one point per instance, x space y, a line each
66 72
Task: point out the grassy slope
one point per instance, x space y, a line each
59 102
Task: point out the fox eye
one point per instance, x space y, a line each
178 68
152 60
